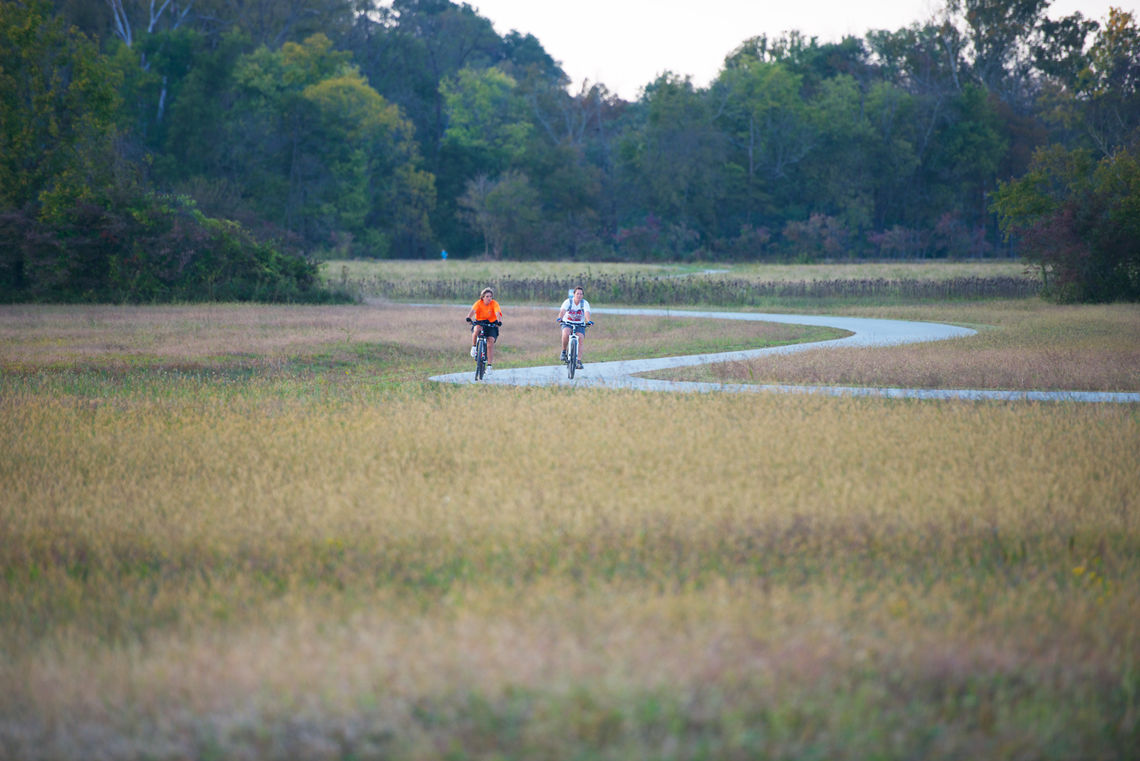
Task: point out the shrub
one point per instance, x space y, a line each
821 236
156 248
899 243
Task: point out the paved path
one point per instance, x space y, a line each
865 332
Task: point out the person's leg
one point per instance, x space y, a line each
490 350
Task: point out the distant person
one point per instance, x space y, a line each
576 311
485 309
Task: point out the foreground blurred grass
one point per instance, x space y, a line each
289 560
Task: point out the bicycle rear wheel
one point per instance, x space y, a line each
572 359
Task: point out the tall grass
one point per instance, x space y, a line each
740 286
698 289
277 544
485 269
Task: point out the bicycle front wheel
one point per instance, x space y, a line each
480 359
572 359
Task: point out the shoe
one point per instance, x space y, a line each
472 352
563 358
489 368
579 365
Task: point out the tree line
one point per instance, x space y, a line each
165 149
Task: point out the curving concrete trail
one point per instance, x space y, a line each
865 332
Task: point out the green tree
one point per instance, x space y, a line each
961 165
761 110
324 155
673 163
1001 35
407 48
197 143
1107 97
151 75
1078 220
892 154
840 172
489 130
505 212
57 112
486 117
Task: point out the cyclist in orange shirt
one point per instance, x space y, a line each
486 308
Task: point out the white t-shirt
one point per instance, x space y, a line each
575 313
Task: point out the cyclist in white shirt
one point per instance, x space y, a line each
575 309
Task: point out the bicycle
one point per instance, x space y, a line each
572 346
481 346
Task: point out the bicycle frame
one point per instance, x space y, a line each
572 353
480 349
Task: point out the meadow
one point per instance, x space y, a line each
259 532
810 287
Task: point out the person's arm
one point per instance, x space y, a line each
562 310
471 313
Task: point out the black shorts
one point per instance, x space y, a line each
490 331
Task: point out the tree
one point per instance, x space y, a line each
1061 53
672 164
56 113
504 211
1111 84
964 156
763 109
325 155
1001 33
488 133
1078 220
408 48
486 117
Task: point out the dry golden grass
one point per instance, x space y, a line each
433 340
396 269
1024 345
415 571
222 565
887 270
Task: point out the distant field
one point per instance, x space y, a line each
491 270
258 532
808 287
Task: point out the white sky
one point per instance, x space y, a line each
626 44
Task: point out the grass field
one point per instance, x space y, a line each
465 269
258 532
808 287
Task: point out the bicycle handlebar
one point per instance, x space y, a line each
585 324
496 323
